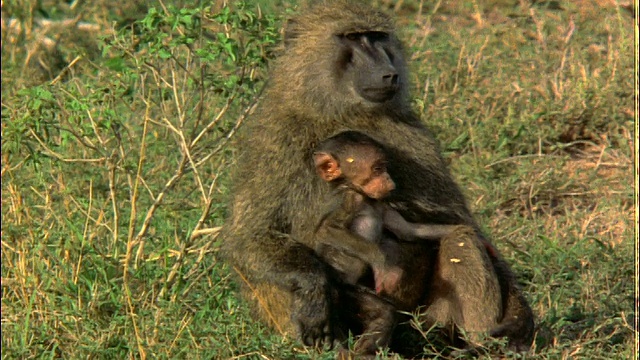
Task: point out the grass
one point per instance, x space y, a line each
115 158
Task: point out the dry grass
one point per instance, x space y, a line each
111 201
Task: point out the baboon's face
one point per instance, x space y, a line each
367 65
365 167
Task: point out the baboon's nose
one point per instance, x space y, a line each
390 79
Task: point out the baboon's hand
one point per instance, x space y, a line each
312 318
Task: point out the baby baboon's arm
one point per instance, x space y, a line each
413 232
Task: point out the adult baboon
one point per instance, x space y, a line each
343 69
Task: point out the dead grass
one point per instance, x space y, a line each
531 100
587 186
614 171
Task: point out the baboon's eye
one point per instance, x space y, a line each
379 169
352 36
376 36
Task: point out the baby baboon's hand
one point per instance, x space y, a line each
387 279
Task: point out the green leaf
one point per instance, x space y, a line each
115 63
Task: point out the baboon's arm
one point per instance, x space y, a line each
334 232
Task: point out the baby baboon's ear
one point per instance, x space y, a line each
327 166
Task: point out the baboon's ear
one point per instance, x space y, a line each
327 166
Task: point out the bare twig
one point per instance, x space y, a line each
66 68
572 28
203 232
205 213
213 122
114 202
139 241
539 27
84 236
261 301
516 158
231 132
54 154
195 280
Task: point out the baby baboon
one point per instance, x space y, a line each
351 231
343 69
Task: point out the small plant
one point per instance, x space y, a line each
118 121
138 150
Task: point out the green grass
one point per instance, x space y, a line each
106 252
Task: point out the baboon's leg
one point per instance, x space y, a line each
465 289
368 316
273 305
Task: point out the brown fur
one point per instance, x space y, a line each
278 199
